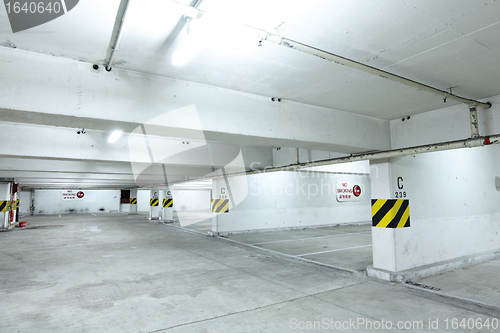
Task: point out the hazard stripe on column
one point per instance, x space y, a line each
168 203
133 201
220 206
4 206
154 202
391 213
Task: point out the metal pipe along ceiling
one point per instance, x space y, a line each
117 34
467 143
474 127
369 69
360 66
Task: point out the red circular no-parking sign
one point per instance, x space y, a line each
356 190
80 194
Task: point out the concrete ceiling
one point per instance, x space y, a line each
446 43
443 44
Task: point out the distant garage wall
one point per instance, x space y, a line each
93 201
291 200
24 202
191 199
143 197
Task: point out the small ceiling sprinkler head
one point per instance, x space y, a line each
260 43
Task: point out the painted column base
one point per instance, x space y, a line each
418 273
9 228
167 215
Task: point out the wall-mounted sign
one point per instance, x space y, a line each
73 195
349 191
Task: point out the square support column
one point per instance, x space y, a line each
383 239
133 202
154 204
220 191
167 204
5 206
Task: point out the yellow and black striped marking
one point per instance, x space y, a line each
154 202
17 203
4 206
391 213
220 206
133 201
167 203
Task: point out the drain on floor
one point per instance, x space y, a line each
422 286
42 227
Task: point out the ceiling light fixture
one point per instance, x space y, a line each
114 136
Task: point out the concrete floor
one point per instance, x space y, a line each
120 273
479 283
200 221
344 247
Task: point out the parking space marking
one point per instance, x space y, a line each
299 239
347 248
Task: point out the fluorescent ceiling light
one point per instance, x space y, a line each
205 183
206 32
114 136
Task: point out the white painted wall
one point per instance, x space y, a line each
293 199
143 200
24 203
454 202
380 176
191 200
51 202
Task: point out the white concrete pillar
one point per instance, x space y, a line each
133 202
220 191
167 206
154 204
383 239
5 198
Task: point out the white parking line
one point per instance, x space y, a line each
299 239
347 248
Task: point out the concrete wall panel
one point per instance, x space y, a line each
94 201
294 200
